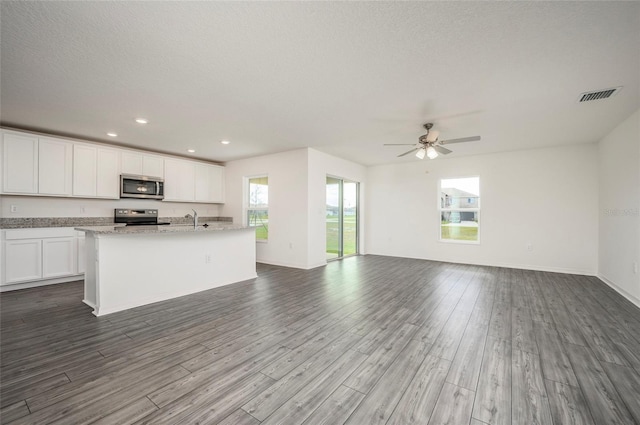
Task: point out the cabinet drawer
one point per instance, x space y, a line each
39 233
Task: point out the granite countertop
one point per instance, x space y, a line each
173 228
39 222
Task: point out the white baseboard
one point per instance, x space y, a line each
36 283
619 290
563 270
291 265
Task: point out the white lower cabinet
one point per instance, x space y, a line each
59 257
32 255
23 260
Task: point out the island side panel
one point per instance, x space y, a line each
134 270
90 284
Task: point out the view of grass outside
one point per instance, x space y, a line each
458 233
258 210
260 220
333 235
342 201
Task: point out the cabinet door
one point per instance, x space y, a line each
20 163
203 183
84 170
179 180
58 257
107 174
152 166
216 179
82 255
23 260
54 166
132 163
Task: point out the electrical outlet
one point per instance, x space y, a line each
635 267
82 210
14 208
529 246
290 245
207 258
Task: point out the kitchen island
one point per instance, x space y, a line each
130 266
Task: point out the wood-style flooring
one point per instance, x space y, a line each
367 340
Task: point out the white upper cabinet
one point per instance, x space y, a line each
20 163
37 165
95 172
107 173
209 183
179 180
216 179
142 165
202 183
153 166
132 163
188 181
55 159
42 165
85 168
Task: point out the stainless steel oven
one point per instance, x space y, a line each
132 217
132 186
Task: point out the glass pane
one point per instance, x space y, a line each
260 220
460 193
259 192
333 218
459 225
350 215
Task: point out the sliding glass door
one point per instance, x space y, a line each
342 218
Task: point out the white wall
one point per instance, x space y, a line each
619 220
39 206
545 197
287 171
321 165
297 202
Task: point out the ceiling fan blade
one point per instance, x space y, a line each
408 152
440 149
462 140
398 144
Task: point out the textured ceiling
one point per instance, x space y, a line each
341 77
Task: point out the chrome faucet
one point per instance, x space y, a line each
195 218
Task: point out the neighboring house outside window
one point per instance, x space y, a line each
258 206
460 210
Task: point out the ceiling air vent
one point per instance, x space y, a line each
599 94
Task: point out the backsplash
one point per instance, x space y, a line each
24 222
13 206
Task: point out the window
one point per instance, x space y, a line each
258 206
460 210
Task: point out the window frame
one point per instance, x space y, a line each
475 209
247 202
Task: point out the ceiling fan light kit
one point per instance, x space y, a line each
431 148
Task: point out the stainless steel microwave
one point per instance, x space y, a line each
132 186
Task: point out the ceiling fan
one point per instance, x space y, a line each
429 145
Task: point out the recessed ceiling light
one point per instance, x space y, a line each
112 134
225 142
191 150
141 120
